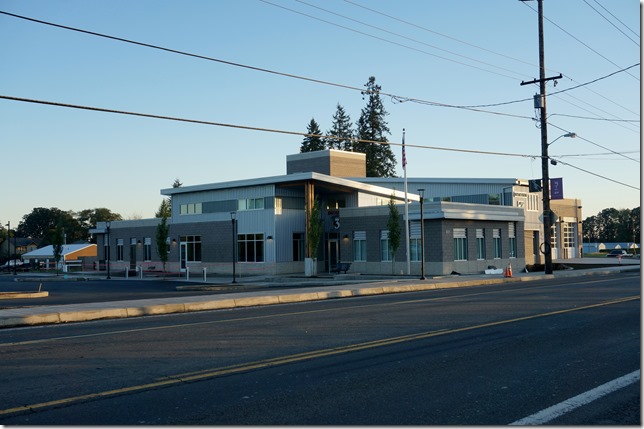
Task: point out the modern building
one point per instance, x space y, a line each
259 226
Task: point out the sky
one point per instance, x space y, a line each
276 64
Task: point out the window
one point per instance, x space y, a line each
298 246
415 251
250 247
533 202
494 199
192 247
569 234
119 249
147 249
415 242
278 206
251 204
480 244
385 250
460 244
359 245
188 209
512 240
496 238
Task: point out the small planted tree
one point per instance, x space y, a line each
57 245
315 231
163 248
393 225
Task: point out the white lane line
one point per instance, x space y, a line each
550 413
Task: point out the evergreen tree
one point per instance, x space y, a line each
312 142
341 130
381 161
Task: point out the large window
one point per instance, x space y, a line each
460 244
192 246
385 249
512 240
298 246
251 204
480 244
250 247
188 209
359 245
415 242
147 249
119 249
496 238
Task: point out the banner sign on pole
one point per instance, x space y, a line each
556 189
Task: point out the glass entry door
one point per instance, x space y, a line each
333 253
183 255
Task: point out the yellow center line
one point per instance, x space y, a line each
283 360
271 316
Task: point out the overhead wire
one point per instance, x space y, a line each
611 23
382 39
403 36
251 128
593 143
617 19
578 40
480 48
395 97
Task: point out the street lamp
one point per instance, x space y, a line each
571 135
233 216
107 251
9 246
421 192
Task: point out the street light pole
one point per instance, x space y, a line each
107 256
421 192
233 219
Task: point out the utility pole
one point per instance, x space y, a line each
545 182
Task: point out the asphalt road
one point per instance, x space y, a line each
489 355
101 290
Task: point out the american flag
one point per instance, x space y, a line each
404 157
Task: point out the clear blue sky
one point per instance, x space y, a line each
458 53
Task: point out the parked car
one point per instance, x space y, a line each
618 252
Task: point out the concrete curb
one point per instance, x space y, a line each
137 308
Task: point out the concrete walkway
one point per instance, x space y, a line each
302 290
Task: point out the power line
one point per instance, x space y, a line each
586 45
477 47
597 175
382 39
246 127
398 35
593 143
394 97
618 20
440 34
609 21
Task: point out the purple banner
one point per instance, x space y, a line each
556 189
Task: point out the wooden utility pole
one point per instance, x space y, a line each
545 182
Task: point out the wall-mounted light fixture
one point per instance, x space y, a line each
269 238
346 237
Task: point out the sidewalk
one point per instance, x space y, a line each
302 291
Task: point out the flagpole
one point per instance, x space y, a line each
404 162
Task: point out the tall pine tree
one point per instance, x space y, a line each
381 161
341 131
312 142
